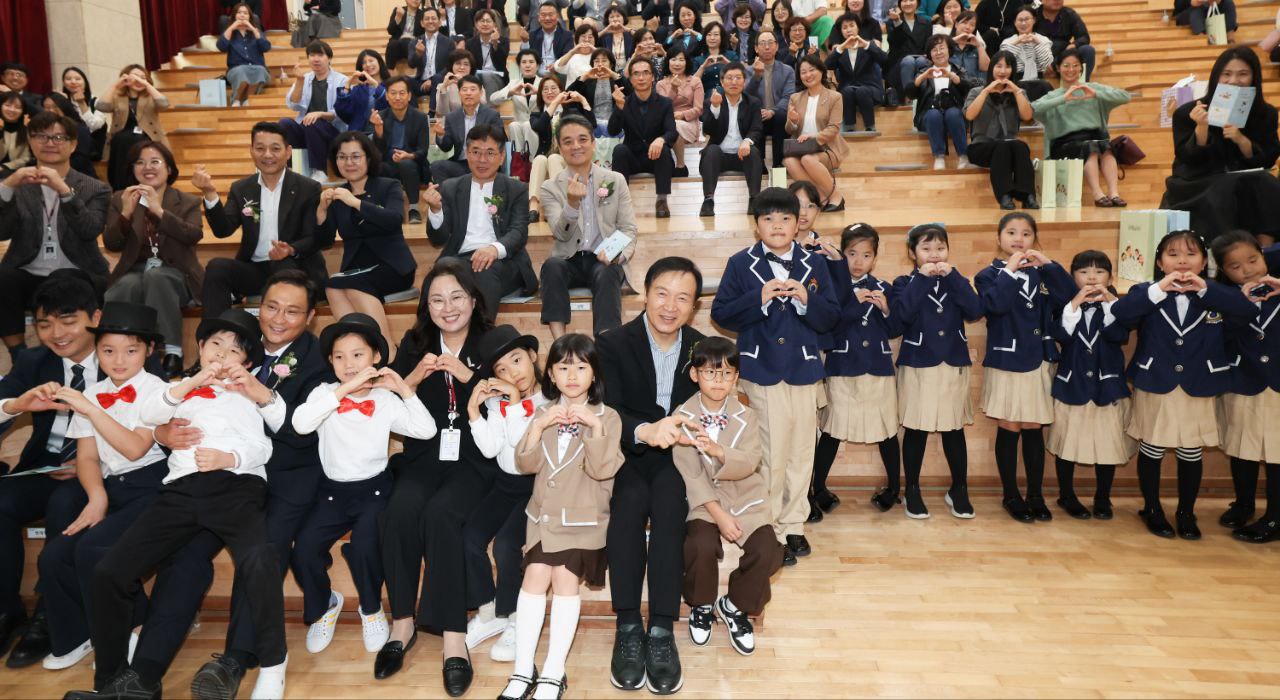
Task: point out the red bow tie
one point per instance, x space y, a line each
527 403
365 407
204 392
127 395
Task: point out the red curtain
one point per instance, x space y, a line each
168 26
24 37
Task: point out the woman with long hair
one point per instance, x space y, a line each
685 93
244 45
75 85
16 151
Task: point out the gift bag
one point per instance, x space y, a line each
1068 182
213 92
1215 26
1140 232
778 177
604 150
1177 220
1174 96
1047 183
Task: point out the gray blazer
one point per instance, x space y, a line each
455 128
613 213
80 222
511 224
784 83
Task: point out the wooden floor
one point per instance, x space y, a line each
888 606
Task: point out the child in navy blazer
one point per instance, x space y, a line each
779 299
1249 411
1180 366
862 394
1020 295
1090 394
932 304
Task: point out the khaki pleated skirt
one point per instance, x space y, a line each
1092 434
861 409
1174 419
1022 397
934 399
1248 426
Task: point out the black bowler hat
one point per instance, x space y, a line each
497 343
362 325
128 319
240 322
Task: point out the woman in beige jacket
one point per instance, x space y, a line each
133 103
815 113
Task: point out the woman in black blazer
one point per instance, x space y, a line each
405 26
615 37
368 212
856 63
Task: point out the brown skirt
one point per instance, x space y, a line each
1021 397
1248 426
1173 420
1091 434
587 564
934 399
861 409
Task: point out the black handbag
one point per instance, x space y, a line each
793 148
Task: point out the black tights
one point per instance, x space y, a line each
1032 461
1104 474
953 446
1190 472
1244 477
824 455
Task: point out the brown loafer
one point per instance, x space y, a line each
1102 202
1117 202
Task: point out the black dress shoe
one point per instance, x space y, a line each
1031 202
218 679
799 545
416 218
124 686
171 365
708 207
457 676
826 500
534 216
1039 510
1260 532
789 557
884 499
627 669
682 171
10 624
661 210
831 208
815 513
1018 510
891 98
1157 524
33 646
1006 202
751 206
1102 510
1073 507
562 685
1187 528
1237 516
662 663
390 657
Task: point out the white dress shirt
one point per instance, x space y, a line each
127 414
268 218
1157 295
229 422
479 223
497 436
1072 315
733 136
781 273
273 414
353 446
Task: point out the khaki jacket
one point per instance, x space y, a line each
737 484
830 115
569 508
147 114
613 213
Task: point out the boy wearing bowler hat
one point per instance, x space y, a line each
354 417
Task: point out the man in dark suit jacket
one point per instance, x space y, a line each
29 197
452 133
495 77
294 473
549 40
430 53
733 128
402 134
644 379
483 217
269 240
398 47
647 123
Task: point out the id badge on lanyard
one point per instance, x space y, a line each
451 437
49 248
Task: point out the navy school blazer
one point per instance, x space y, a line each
932 312
1019 338
1091 367
1255 345
860 340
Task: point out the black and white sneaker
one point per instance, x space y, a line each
701 618
742 635
914 503
957 499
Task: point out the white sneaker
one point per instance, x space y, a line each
320 176
965 164
479 630
376 630
270 684
133 644
939 163
235 103
321 631
505 648
71 658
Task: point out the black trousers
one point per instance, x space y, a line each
411 175
628 162
227 280
584 268
232 507
17 286
1010 163
861 100
404 526
24 500
654 497
498 280
714 161
499 518
775 130
68 561
443 606
398 50
342 507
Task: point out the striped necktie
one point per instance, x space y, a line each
68 453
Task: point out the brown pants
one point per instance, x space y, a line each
748 584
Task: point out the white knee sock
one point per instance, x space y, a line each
564 624
531 610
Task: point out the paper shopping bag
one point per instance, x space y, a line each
213 92
1069 181
778 177
1047 184
1140 232
1215 26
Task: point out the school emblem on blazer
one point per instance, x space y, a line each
1044 289
1213 317
812 284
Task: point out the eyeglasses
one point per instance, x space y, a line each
765 42
153 163
439 303
55 138
350 157
718 375
486 154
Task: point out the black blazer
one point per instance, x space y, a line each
377 224
511 228
640 129
35 366
297 454
540 122
296 220
908 42
749 124
395 29
462 24
628 43
455 128
498 53
434 394
863 71
80 222
631 386
326 7
443 48
417 136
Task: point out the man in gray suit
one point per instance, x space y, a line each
453 133
771 83
585 205
483 217
52 216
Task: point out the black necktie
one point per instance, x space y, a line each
264 372
786 264
68 452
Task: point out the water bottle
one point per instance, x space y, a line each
1165 17
1111 52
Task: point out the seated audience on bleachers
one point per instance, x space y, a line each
1196 12
597 85
615 36
971 49
907 54
404 28
227 18
133 103
739 35
1206 158
13 78
995 112
312 97
483 217
589 12
707 65
584 205
659 16
549 40
686 35
521 93
323 18
499 9
856 62
735 139
797 42
1034 53
577 60
402 136
17 152
364 91
489 48
646 121
868 25
728 11
771 82
1075 126
814 14
648 49
686 95
367 212
454 20
75 85
51 216
451 131
447 98
155 228
996 20
430 55
779 14
82 156
554 103
939 90
814 116
1066 29
944 22
244 45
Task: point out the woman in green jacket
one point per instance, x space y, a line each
1075 127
